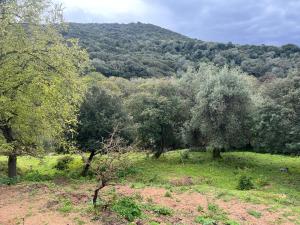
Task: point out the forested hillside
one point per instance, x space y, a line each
145 50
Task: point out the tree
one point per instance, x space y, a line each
157 112
222 108
113 160
277 118
39 71
101 111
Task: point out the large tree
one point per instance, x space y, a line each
277 118
39 78
222 108
158 113
101 114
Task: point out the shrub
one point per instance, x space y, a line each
127 171
9 181
63 163
36 176
245 183
184 155
213 207
162 210
127 208
205 220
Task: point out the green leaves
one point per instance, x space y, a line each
40 85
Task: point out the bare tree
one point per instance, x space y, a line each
114 158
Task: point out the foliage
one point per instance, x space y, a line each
100 112
160 210
245 183
9 181
277 124
63 162
66 206
145 50
204 220
127 208
222 107
157 112
36 176
254 213
40 77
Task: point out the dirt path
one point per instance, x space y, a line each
37 204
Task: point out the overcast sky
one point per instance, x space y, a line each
273 22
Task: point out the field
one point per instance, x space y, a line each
179 188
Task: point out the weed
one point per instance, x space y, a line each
160 210
245 183
154 223
66 206
36 176
127 171
200 208
254 213
205 220
9 181
127 208
168 194
213 207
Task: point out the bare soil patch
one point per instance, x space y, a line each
37 204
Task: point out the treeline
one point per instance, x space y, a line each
145 50
208 108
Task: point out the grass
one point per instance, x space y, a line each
271 187
254 213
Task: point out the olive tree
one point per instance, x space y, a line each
39 78
222 107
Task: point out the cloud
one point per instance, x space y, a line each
246 22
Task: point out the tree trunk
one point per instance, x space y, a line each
96 192
161 148
216 154
88 164
12 166
158 153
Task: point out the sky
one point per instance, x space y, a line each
272 22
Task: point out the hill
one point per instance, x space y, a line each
146 50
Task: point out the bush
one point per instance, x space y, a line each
63 163
9 181
127 208
36 176
213 207
184 155
127 171
162 210
245 183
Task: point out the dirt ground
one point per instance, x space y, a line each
38 204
